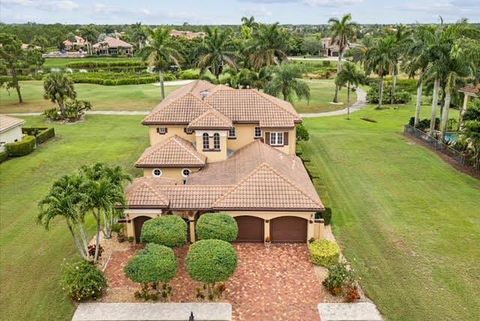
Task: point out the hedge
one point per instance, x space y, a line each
324 252
169 230
217 226
21 148
104 64
42 134
117 79
3 156
211 261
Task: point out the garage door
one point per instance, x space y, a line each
250 229
288 229
138 223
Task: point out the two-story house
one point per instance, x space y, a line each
219 149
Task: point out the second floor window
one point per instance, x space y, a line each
276 138
258 132
206 141
232 133
216 141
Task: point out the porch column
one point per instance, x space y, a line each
266 230
191 222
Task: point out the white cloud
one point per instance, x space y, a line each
50 5
258 12
331 3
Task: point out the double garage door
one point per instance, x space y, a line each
286 229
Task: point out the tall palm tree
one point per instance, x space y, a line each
64 200
249 22
381 60
58 87
161 52
286 82
90 34
342 32
216 52
138 34
269 46
402 38
350 76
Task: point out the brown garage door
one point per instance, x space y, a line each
250 229
138 223
288 229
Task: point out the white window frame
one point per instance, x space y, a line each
186 169
259 134
162 130
276 139
234 131
156 169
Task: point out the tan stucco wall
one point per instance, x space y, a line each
172 130
131 214
289 149
169 172
245 134
212 156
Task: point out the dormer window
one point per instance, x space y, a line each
216 141
232 133
206 141
258 132
162 130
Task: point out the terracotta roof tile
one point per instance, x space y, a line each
144 192
112 42
8 122
211 119
471 89
172 152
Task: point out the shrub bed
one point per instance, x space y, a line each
339 279
42 134
3 156
217 226
105 64
117 79
83 281
169 230
324 252
400 97
190 74
21 148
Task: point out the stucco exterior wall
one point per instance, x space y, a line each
169 172
178 130
212 156
10 136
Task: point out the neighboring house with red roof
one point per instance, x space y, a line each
10 130
187 34
112 46
219 149
77 44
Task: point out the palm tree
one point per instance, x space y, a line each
58 87
381 60
64 200
249 22
350 75
268 46
90 34
286 82
342 31
161 53
402 38
138 34
216 51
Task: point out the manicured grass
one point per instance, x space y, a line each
30 257
407 221
62 62
322 92
127 97
145 97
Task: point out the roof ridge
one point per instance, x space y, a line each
205 114
267 97
161 196
183 142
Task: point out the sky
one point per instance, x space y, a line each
230 11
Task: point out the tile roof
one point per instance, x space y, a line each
256 177
8 122
211 119
144 193
185 104
172 152
471 89
112 42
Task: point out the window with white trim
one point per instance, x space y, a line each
162 130
186 172
157 172
206 141
258 132
216 141
276 138
232 133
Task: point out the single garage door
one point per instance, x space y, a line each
288 229
250 229
138 223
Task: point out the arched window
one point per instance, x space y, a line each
216 141
206 142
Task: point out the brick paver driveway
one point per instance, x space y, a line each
273 282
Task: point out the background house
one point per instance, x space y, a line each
112 46
77 44
10 130
330 49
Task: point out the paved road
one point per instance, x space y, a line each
359 104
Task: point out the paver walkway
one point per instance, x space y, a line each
272 282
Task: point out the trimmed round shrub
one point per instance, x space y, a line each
217 226
155 263
83 281
211 261
324 252
170 230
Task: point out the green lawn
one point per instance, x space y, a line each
408 221
62 62
30 257
144 97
